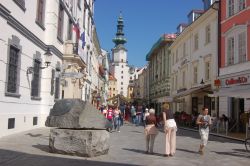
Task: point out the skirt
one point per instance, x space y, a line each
151 129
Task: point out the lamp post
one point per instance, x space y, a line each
47 57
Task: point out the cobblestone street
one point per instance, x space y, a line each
127 148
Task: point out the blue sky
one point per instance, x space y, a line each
145 21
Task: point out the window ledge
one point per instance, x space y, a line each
12 94
60 39
40 25
22 6
207 43
36 98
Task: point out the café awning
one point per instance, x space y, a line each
239 91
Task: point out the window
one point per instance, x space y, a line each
35 83
87 60
130 78
195 74
208 34
230 51
176 82
207 71
121 77
13 71
173 59
79 4
21 4
90 66
234 6
11 123
88 24
196 41
242 47
113 88
121 88
70 26
121 83
230 7
184 49
40 13
35 121
122 66
52 82
176 56
122 72
183 79
57 88
84 15
60 23
242 5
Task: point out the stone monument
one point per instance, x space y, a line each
80 129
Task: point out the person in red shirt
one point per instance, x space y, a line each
110 119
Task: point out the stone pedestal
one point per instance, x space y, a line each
86 143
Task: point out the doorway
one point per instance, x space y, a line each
207 103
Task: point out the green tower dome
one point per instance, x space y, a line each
119 38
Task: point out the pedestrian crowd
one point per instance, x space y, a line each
142 115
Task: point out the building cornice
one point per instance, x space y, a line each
6 14
162 41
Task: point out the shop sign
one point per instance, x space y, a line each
217 82
239 80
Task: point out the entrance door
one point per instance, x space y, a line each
207 104
194 105
242 125
237 108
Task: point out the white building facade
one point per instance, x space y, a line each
66 30
194 64
28 90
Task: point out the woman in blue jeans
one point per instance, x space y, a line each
117 113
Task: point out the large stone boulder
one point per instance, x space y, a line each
75 113
86 143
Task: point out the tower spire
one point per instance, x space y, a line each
119 38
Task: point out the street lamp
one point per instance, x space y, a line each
47 57
202 82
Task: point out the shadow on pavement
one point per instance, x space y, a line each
235 153
44 148
189 151
33 135
142 151
196 135
13 158
137 132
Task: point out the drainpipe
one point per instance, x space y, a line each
219 52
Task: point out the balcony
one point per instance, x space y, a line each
70 48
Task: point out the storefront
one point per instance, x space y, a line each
234 99
192 100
